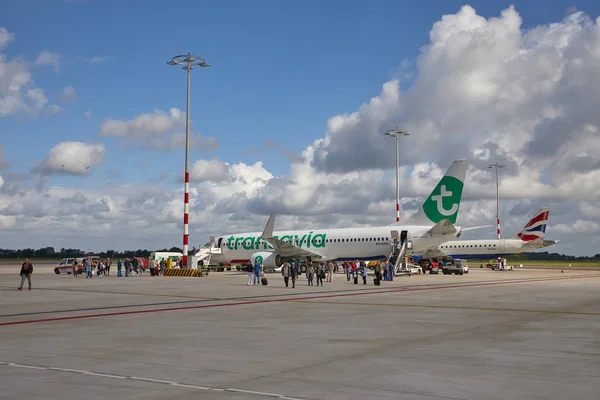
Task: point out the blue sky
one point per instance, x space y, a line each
280 70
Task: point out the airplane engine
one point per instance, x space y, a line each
269 260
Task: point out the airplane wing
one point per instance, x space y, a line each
282 248
444 227
433 253
475 227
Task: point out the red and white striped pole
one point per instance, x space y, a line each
186 196
498 228
395 133
497 166
188 60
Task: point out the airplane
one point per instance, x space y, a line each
432 225
530 238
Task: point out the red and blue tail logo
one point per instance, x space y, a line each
536 227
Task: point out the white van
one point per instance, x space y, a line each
165 255
66 265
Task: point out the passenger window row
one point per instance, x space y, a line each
469 245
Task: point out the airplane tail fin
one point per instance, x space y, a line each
444 201
536 227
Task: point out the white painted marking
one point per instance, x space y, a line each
25 366
253 392
190 386
151 380
177 384
105 375
77 371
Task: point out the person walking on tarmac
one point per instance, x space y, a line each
286 272
330 268
250 271
293 275
257 268
26 271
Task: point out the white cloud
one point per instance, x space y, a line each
156 130
49 58
18 94
95 59
209 170
154 124
88 114
5 37
483 89
73 158
579 226
68 94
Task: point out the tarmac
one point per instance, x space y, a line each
531 334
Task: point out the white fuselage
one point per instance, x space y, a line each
487 248
332 244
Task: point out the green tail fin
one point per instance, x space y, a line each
444 200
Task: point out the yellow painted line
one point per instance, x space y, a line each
356 303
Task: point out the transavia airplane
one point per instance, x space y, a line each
431 226
530 238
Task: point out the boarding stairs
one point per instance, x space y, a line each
204 254
397 255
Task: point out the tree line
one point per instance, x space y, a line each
50 252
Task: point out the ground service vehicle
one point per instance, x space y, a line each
66 265
454 267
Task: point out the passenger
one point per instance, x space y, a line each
364 272
286 272
310 273
107 265
294 273
26 271
354 267
119 267
392 272
88 268
250 271
257 269
347 270
378 268
75 268
319 273
386 270
127 267
330 271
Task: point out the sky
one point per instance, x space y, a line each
290 115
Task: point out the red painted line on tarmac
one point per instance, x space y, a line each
240 303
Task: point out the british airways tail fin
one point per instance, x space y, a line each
536 227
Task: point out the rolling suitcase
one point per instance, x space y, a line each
376 282
356 280
264 281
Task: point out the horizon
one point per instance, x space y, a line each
290 116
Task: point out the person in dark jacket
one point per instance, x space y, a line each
293 274
26 271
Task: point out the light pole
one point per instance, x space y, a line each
188 61
497 166
396 133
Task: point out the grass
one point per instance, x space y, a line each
32 259
542 263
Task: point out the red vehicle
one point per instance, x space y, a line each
429 265
143 262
